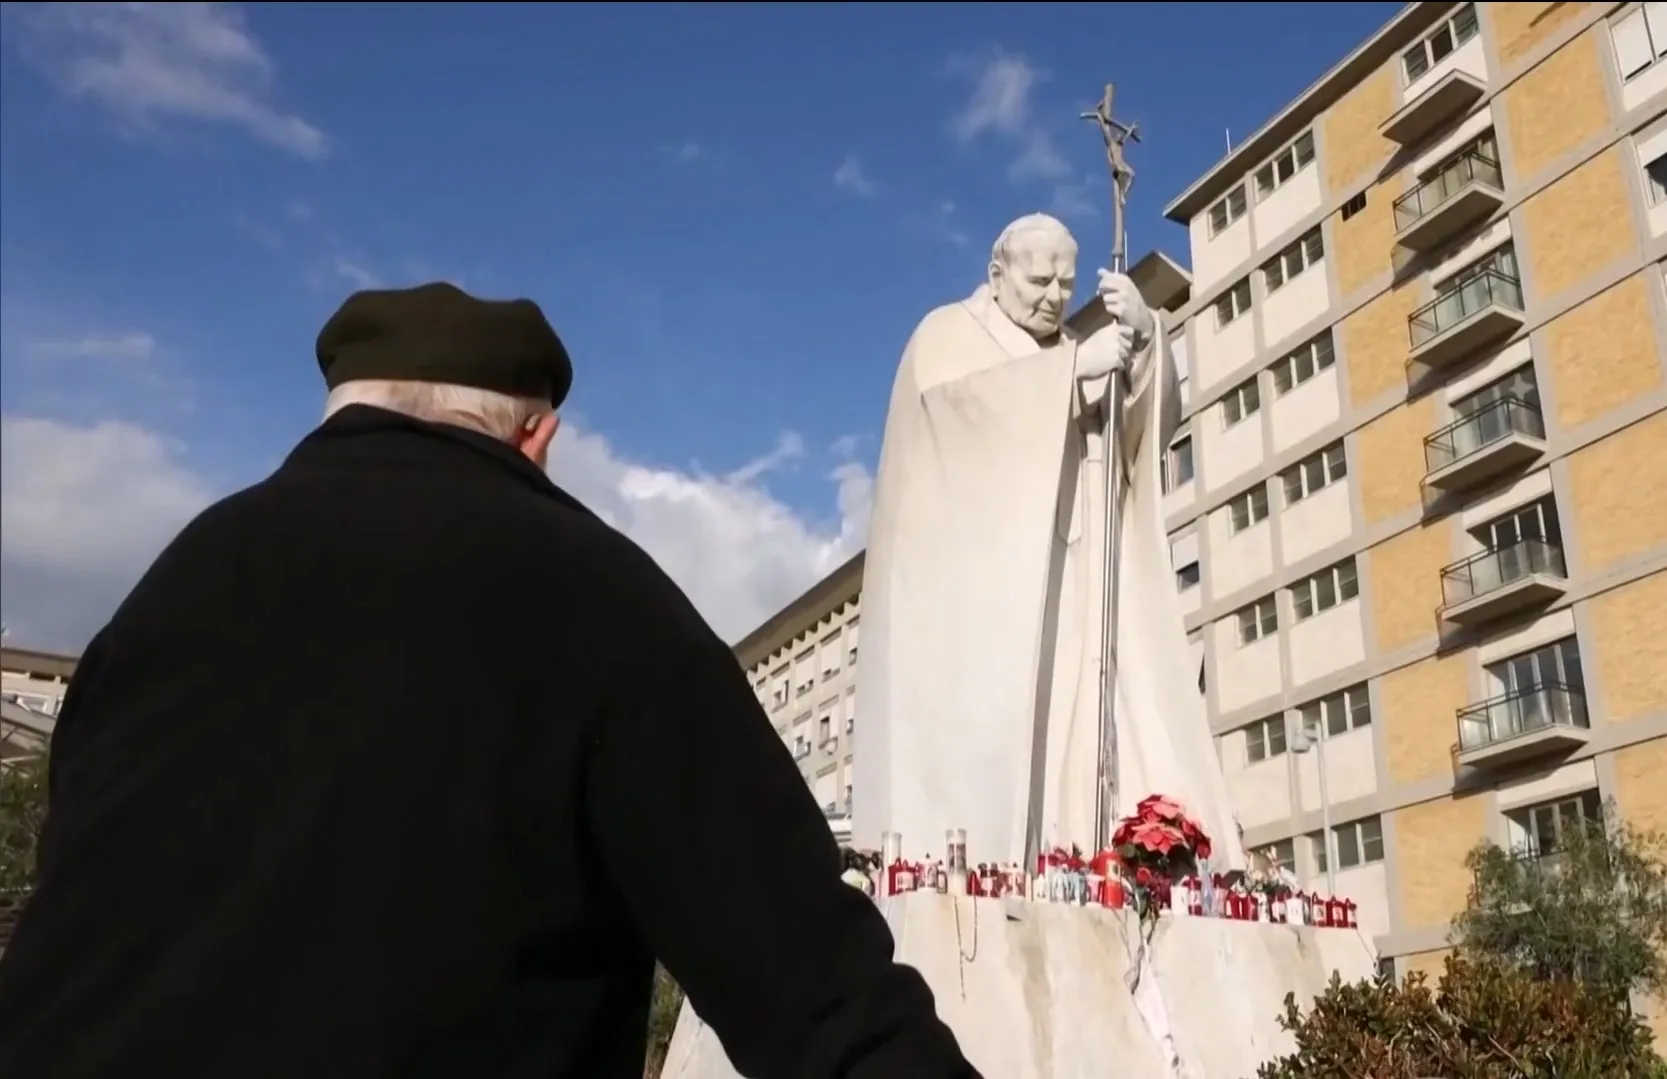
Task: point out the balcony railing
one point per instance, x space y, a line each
1489 424
1536 708
1486 289
1470 167
1483 573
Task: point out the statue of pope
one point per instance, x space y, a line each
978 697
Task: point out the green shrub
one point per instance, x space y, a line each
1483 1020
663 1011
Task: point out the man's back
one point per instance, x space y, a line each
365 780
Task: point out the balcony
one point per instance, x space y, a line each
1446 100
1537 721
1490 585
1497 437
1462 194
1482 310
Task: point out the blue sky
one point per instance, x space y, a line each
733 213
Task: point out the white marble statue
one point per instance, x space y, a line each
978 694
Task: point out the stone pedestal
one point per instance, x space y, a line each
1043 991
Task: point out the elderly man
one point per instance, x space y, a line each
401 763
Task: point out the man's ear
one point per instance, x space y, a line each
536 438
993 275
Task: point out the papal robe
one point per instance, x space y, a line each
978 696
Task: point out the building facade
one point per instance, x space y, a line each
1418 513
32 687
1418 510
802 663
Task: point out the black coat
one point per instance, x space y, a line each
402 763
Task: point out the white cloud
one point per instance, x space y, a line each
1003 106
1000 100
152 63
85 508
851 177
130 347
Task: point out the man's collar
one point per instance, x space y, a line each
356 421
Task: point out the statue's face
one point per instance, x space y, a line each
1033 284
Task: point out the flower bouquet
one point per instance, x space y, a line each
1159 845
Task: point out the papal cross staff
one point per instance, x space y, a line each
1116 135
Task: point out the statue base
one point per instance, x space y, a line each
1050 991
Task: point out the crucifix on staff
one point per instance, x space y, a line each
1116 135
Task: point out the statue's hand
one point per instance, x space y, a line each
1125 304
1105 351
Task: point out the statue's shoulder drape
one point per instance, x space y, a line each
954 587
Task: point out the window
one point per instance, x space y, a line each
850 724
1265 738
1258 620
1233 303
1180 467
1544 828
801 747
1338 713
1187 576
1314 473
1293 370
1502 260
824 730
1285 164
1241 401
1281 855
1325 590
1293 260
1250 508
829 650
1457 29
1655 180
1355 204
1640 39
1553 665
1359 842
1228 210
1317 851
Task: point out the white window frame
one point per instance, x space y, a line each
1185 580
1265 739
1247 510
1338 713
1233 304
1654 172
1448 37
1227 210
1172 463
1282 167
1365 833
1639 39
1257 621
1241 402
1303 255
1314 473
1297 367
1323 591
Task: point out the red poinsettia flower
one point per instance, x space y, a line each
1144 877
1124 827
1201 846
1157 837
1162 807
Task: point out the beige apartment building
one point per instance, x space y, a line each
32 687
1419 507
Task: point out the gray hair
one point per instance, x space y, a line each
1045 223
486 412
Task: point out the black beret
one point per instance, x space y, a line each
439 333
